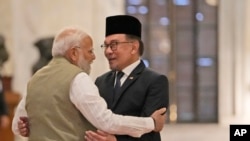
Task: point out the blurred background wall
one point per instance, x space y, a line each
26 21
202 46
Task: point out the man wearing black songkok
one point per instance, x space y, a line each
142 90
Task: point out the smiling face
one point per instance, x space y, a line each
124 54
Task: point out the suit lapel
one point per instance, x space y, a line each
128 82
109 89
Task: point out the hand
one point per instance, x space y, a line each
159 117
99 136
4 121
23 126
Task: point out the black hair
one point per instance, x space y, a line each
141 45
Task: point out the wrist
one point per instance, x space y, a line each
154 123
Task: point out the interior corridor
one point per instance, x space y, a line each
195 132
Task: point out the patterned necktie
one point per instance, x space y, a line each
118 82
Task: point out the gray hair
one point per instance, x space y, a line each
68 37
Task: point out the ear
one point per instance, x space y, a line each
72 54
135 47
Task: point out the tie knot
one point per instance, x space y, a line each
119 75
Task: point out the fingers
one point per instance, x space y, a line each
23 126
22 129
159 117
99 136
100 132
162 110
24 119
88 137
93 136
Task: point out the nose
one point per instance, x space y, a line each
108 50
93 56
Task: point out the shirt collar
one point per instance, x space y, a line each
131 67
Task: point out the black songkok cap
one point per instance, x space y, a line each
123 24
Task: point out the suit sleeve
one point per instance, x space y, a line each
157 95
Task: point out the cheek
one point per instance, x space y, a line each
123 57
89 57
105 53
126 54
85 55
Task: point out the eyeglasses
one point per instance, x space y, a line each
113 45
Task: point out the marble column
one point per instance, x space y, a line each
233 61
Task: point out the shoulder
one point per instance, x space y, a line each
152 73
108 75
151 76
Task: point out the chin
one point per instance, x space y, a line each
112 67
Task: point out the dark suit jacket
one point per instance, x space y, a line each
143 92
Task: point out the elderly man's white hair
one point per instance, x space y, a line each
68 37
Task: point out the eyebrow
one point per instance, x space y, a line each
115 40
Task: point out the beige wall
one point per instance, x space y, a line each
25 21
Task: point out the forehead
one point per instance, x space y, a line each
87 42
115 37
